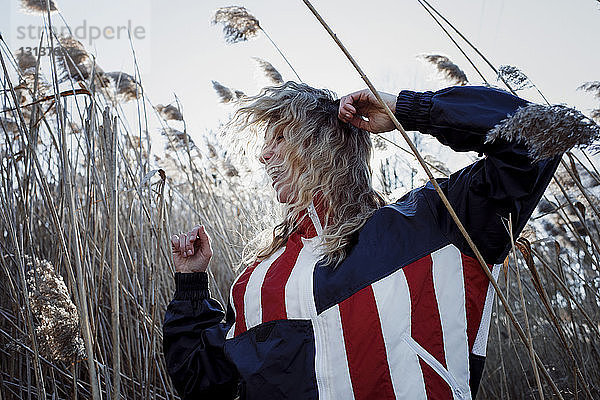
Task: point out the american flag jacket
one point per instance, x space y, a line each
404 316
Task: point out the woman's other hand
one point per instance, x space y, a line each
362 110
191 251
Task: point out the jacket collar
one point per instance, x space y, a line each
312 220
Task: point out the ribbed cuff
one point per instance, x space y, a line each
191 286
412 109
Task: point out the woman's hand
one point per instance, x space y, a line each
191 251
357 106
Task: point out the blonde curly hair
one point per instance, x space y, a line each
322 157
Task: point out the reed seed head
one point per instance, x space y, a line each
125 85
269 70
28 84
229 169
225 94
592 87
8 125
57 332
238 24
176 140
514 76
72 49
38 6
450 70
74 60
26 60
169 112
547 131
212 151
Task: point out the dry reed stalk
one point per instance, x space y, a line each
445 201
483 57
525 248
450 37
583 190
109 139
529 342
74 237
148 286
43 182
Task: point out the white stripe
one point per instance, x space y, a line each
392 297
252 297
448 282
299 302
232 329
331 364
314 217
480 344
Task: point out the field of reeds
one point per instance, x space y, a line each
88 204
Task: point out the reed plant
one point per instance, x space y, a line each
88 204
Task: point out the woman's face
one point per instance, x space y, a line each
272 157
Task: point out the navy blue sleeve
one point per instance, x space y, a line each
505 182
193 338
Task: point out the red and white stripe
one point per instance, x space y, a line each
406 336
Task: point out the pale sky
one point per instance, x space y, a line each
555 42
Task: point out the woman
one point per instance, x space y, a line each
352 298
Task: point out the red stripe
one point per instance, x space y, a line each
238 292
476 286
273 287
426 327
365 348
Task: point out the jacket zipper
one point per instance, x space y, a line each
436 366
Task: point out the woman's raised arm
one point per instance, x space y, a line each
484 194
195 325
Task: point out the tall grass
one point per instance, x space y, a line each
559 302
81 194
87 207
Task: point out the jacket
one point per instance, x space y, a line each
405 315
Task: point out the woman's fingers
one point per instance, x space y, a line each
182 250
204 240
347 113
346 109
194 235
187 244
175 242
